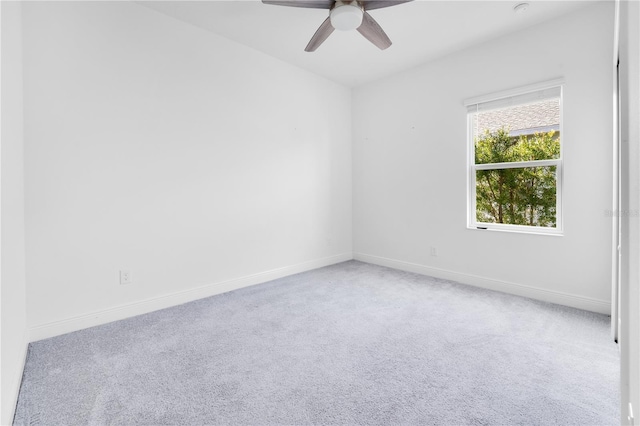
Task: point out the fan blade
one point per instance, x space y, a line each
311 4
320 36
379 4
372 31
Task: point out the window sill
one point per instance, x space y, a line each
554 233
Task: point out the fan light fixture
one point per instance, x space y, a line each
346 17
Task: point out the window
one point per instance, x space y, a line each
515 160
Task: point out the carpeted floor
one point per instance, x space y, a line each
350 344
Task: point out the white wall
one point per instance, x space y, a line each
12 259
410 156
196 163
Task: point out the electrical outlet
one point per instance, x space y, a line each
433 251
125 277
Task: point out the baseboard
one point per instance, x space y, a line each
560 298
56 328
9 412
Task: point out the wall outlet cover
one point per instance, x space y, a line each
125 277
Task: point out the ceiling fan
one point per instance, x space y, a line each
345 15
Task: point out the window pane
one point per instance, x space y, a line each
517 133
518 196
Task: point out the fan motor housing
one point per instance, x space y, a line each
346 15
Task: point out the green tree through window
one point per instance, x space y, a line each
516 195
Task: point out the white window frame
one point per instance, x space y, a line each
472 223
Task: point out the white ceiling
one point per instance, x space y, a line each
421 31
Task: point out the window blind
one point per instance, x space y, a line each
478 104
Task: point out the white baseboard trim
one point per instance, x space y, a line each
56 328
9 412
575 301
